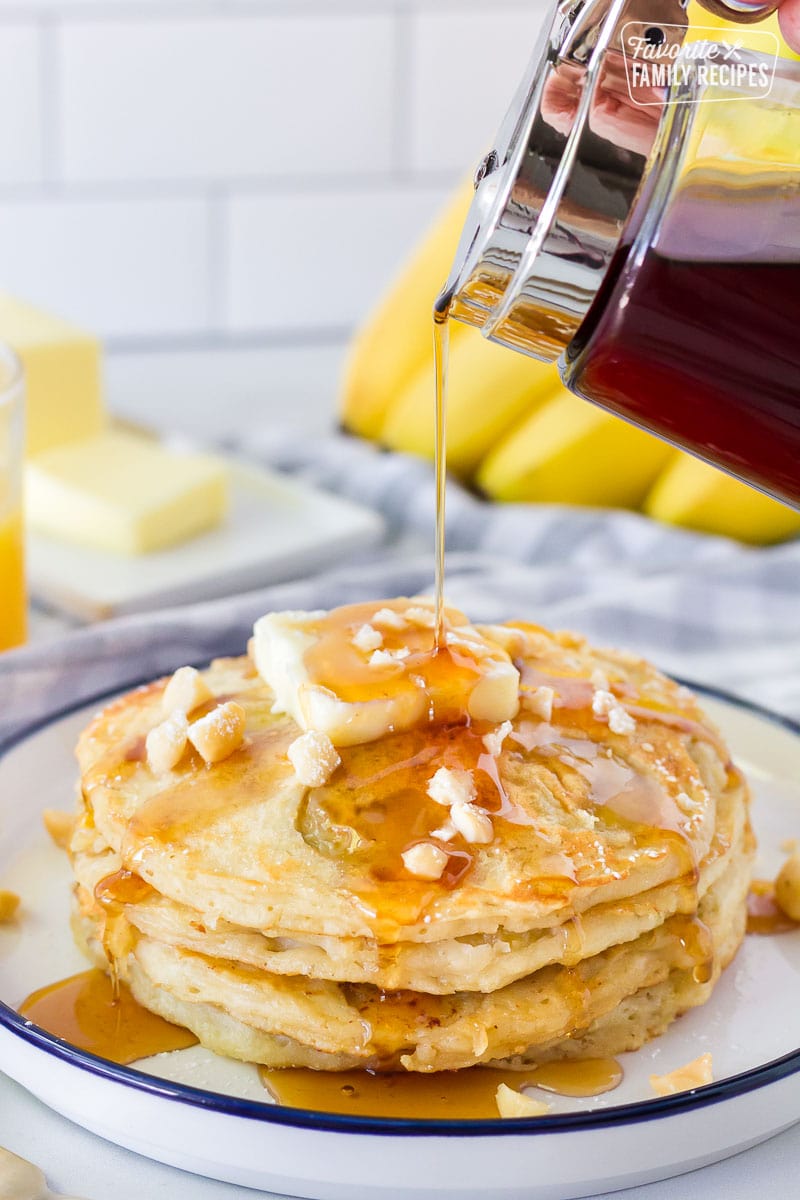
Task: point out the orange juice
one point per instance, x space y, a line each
12 582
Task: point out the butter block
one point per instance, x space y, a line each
124 494
62 375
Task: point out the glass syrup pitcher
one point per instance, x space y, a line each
642 227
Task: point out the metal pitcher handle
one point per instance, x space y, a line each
745 12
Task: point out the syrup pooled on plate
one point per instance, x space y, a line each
442 1095
91 1013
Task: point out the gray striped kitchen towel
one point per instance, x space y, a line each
701 607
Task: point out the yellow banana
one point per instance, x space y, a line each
490 388
397 341
571 452
692 493
511 424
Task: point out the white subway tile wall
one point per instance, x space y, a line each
466 71
179 172
300 261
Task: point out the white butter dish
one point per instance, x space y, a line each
276 529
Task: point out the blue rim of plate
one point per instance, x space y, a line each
304 1118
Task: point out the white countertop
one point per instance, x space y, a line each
207 393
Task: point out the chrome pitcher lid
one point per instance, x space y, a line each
553 195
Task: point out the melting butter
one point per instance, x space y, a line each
363 671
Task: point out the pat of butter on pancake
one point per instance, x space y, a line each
394 693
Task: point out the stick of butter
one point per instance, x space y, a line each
63 398
122 493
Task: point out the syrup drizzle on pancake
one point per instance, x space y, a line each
198 797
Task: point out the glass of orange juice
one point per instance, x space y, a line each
13 608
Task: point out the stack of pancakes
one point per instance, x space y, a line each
279 924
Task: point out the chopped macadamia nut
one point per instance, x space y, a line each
695 1074
165 745
511 1103
314 758
423 618
787 888
389 658
367 639
220 733
60 826
450 787
511 640
425 860
9 904
186 691
539 701
474 825
446 831
470 640
387 618
621 721
604 704
494 741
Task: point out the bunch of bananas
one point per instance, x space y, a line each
513 429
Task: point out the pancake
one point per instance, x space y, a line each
250 844
529 1020
280 922
481 962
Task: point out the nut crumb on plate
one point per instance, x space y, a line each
787 888
511 1103
60 825
9 904
694 1074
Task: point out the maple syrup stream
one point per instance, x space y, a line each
441 347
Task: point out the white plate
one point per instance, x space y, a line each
208 1115
276 529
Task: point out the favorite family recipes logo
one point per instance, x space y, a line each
658 62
